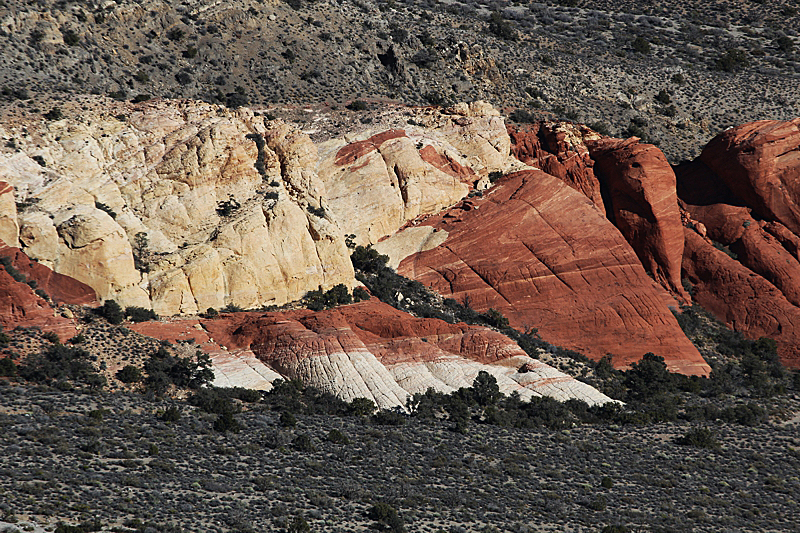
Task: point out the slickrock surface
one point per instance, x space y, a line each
162 205
20 306
760 162
368 350
741 298
543 255
233 367
643 204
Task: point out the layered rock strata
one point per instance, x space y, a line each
542 254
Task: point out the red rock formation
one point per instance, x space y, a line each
374 351
350 153
60 288
542 145
642 203
446 164
20 306
540 253
760 162
741 298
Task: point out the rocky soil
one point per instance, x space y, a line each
619 64
110 458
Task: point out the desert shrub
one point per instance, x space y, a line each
501 28
54 114
163 370
18 276
287 420
699 438
111 311
368 260
226 422
641 45
607 482
357 105
298 525
214 400
7 367
360 293
389 417
129 374
175 34
732 60
103 207
59 363
522 116
51 336
362 407
172 413
337 437
140 314
316 211
227 207
337 295
303 443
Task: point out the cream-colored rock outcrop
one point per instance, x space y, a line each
168 209
181 206
9 224
379 180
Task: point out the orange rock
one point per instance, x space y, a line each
60 288
542 146
741 298
643 204
760 162
544 256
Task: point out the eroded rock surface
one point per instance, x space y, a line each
543 255
643 204
368 350
180 207
760 162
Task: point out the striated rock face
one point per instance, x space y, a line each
559 149
760 162
380 180
741 298
170 209
643 204
374 351
543 255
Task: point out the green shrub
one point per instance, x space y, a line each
226 422
140 314
303 443
129 374
111 311
501 28
641 45
51 336
360 294
368 260
357 105
337 437
732 60
362 407
607 482
7 367
54 114
59 363
699 438
386 515
287 420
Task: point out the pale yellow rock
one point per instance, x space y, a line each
9 224
408 242
39 238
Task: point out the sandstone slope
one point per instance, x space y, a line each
546 257
740 197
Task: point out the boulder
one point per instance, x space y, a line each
542 254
